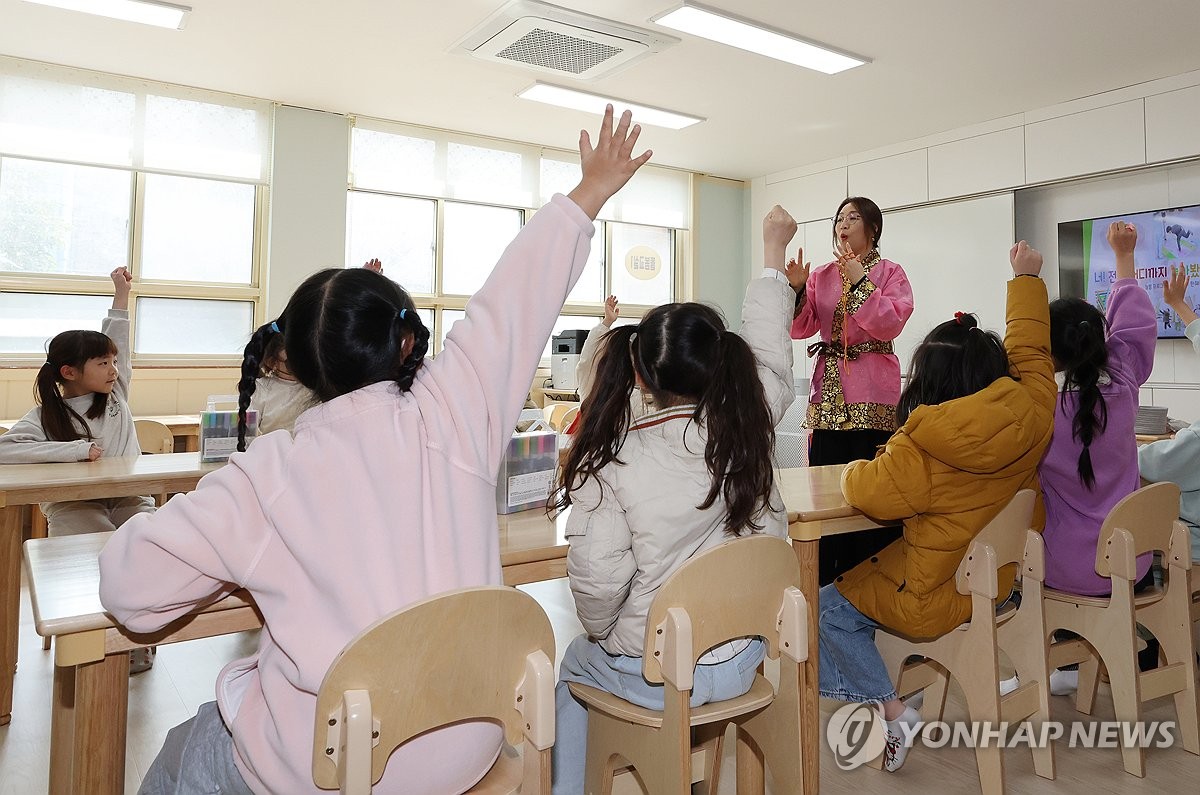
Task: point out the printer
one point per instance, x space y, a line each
565 348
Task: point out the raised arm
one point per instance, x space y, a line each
116 326
767 313
1174 296
480 380
593 346
1027 328
1132 324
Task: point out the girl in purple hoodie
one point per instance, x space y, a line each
1091 463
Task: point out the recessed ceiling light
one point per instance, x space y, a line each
148 12
595 103
722 27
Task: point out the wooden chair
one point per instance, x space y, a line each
478 653
971 653
154 437
568 418
1145 521
746 587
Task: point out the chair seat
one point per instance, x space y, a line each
505 776
1141 599
760 695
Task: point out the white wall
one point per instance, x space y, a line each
719 245
309 176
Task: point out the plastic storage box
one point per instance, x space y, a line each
219 428
526 475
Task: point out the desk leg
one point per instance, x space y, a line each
87 727
10 604
810 714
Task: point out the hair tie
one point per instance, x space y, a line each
958 316
274 327
402 312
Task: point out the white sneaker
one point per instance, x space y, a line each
896 750
1063 683
1010 684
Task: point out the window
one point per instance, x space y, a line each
98 172
439 209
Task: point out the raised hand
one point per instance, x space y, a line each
1122 237
373 265
798 274
1026 260
122 283
848 261
611 310
609 164
1174 289
778 227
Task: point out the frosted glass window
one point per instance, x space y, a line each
643 266
168 326
29 320
399 231
449 318
197 230
43 118
476 172
63 219
590 287
427 318
558 176
473 238
203 138
386 161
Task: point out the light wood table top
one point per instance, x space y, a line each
815 505
127 476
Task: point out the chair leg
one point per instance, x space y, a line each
751 767
1123 678
934 706
38 526
983 706
710 739
1089 682
46 643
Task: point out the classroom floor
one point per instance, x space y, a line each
183 676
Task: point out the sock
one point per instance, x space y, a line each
896 750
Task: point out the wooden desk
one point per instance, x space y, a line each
182 426
815 507
91 664
25 484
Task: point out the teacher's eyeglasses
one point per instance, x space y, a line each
852 218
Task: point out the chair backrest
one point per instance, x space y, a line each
567 418
738 589
154 437
1148 515
1006 536
475 653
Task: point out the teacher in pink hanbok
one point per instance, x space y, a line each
859 304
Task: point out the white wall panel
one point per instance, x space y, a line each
1091 142
892 181
977 165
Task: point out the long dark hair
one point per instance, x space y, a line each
346 329
683 353
956 359
69 349
1079 345
260 356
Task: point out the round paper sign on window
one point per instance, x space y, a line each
643 263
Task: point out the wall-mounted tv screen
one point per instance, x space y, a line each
1087 267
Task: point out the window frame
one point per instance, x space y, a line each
68 284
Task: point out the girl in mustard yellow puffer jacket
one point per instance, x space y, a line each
975 418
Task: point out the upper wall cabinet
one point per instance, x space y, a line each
809 197
1091 142
977 165
1172 120
892 181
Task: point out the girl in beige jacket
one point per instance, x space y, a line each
651 492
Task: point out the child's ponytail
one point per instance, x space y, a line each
1079 345
408 321
265 338
740 434
606 415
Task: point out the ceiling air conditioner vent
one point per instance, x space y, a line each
560 42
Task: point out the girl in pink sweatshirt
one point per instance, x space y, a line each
384 495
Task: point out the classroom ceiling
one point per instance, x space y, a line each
937 65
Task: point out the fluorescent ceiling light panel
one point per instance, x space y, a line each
164 15
753 37
594 103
